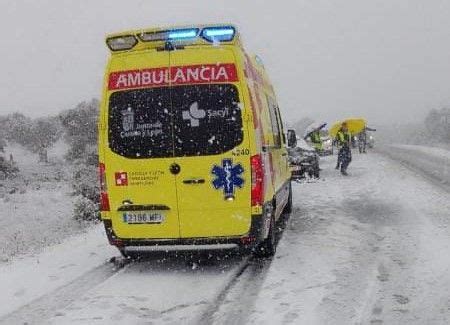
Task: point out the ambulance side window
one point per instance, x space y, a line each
283 136
276 129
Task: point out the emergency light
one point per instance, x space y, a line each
183 34
218 34
212 34
171 35
120 43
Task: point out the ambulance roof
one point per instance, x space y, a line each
146 38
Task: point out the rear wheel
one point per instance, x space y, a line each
132 255
316 172
288 206
268 247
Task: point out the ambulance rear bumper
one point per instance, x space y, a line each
249 240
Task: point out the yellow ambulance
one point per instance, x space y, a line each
191 144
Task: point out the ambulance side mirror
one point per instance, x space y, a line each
291 138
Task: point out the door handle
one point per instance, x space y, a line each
194 181
175 169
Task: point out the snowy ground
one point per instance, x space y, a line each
368 249
36 207
371 248
431 161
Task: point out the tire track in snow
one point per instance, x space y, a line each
42 308
208 315
245 284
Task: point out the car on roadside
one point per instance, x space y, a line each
370 141
304 161
327 146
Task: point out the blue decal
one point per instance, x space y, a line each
227 177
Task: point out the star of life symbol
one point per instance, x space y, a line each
194 114
228 177
121 179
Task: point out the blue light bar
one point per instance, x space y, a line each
210 34
182 34
218 34
172 35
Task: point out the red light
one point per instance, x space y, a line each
257 180
248 240
102 174
116 242
104 199
104 202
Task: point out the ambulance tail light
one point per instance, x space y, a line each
248 240
104 199
257 180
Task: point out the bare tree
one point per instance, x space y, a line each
44 133
80 129
437 124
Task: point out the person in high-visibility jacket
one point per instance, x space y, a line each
316 141
343 139
362 139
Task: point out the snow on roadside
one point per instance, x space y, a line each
33 276
36 207
434 162
431 151
36 218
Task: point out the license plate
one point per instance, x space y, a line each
143 217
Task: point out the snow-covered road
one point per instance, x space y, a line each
371 248
432 162
368 249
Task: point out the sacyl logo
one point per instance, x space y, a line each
194 114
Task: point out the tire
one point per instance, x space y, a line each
130 254
267 247
288 206
317 173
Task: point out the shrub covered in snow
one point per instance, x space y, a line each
36 135
7 168
86 186
80 133
80 128
86 209
84 180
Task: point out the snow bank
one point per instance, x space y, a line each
32 277
433 162
36 207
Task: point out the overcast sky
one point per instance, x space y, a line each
387 60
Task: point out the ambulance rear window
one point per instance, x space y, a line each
192 120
